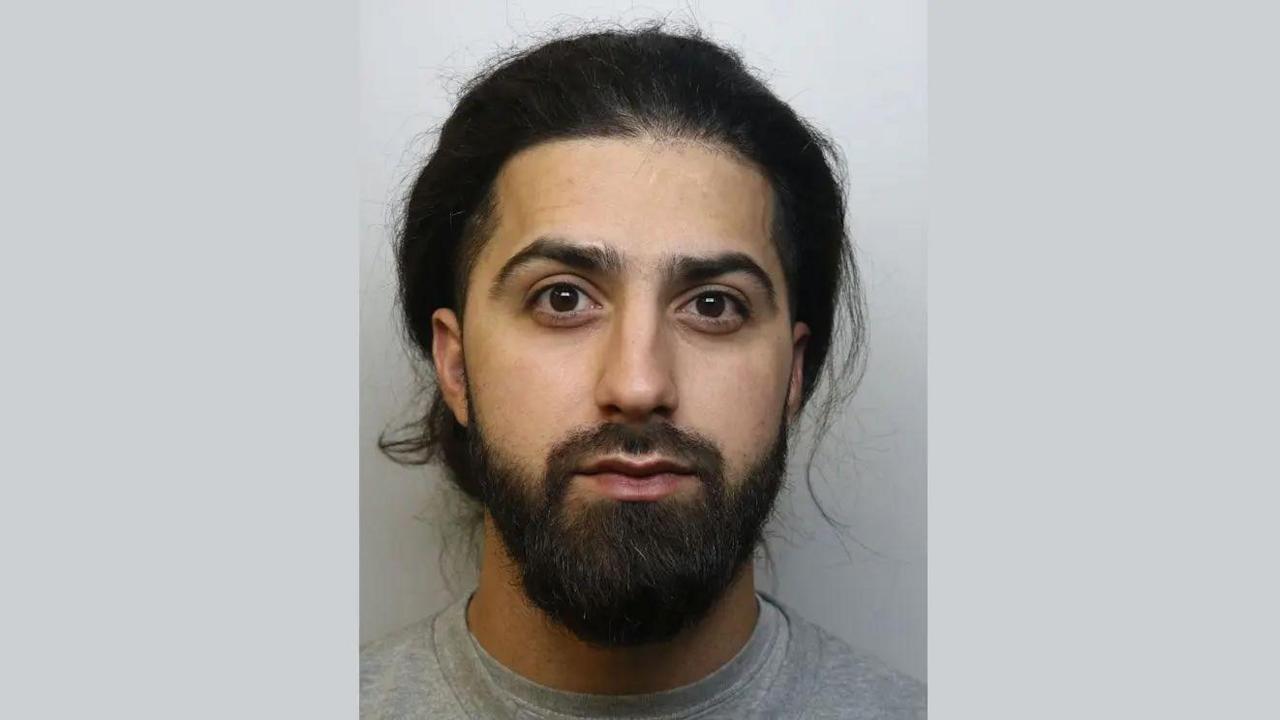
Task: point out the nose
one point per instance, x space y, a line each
637 375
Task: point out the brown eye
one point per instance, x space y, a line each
563 298
561 302
716 311
711 305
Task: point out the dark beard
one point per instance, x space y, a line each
620 573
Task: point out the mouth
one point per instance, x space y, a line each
637 480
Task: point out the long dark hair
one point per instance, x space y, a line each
644 82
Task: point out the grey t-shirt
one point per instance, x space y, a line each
789 668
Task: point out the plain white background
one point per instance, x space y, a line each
179 463
856 70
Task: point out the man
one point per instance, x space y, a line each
624 262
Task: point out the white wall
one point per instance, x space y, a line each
857 70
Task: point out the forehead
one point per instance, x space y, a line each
648 199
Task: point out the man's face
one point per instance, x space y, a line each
626 367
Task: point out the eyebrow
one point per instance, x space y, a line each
608 261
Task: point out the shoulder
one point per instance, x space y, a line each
400 677
847 682
856 685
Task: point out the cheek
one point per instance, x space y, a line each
528 398
738 400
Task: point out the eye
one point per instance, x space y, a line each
562 303
716 311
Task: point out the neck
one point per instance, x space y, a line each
518 635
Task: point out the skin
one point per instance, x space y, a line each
639 349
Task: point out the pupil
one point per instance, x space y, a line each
711 305
563 298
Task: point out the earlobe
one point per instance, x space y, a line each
795 391
446 353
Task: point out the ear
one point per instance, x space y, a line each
446 352
795 392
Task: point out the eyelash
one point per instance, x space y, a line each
567 317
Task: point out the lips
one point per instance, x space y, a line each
636 469
637 480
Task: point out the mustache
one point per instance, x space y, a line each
661 438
